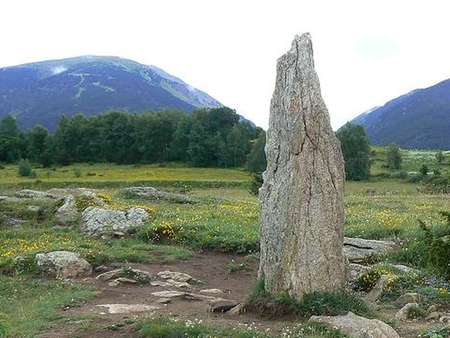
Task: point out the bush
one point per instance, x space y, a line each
415 312
77 172
24 168
424 170
430 249
256 183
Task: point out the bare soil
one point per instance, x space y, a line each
91 321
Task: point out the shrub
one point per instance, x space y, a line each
415 312
429 249
24 168
77 172
316 303
256 183
424 170
394 158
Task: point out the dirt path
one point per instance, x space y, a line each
212 269
92 321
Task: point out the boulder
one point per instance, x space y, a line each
358 250
154 194
67 214
63 264
98 221
356 326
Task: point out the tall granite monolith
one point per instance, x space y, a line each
302 210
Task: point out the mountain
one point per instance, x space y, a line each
419 119
41 92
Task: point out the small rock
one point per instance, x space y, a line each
435 315
67 214
445 319
237 310
163 300
377 290
160 283
136 274
114 283
403 268
63 264
402 314
410 297
34 208
128 308
124 280
357 327
101 268
176 276
432 308
169 294
212 291
222 305
355 271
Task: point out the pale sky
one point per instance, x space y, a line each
366 52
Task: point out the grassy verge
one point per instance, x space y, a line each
26 243
30 305
171 328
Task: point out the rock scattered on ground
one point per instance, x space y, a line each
356 326
410 297
212 291
154 194
63 264
28 193
67 214
402 314
169 294
221 305
176 276
98 221
125 275
128 308
355 271
377 290
358 250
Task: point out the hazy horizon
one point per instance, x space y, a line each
363 56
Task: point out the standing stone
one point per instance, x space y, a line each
302 211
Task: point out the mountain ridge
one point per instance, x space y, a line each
40 92
419 119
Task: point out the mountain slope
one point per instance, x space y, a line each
419 119
41 92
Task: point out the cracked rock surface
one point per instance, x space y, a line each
302 211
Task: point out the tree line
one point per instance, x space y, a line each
207 137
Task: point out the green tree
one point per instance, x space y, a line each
393 157
424 170
24 168
256 160
37 144
440 157
9 139
355 149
